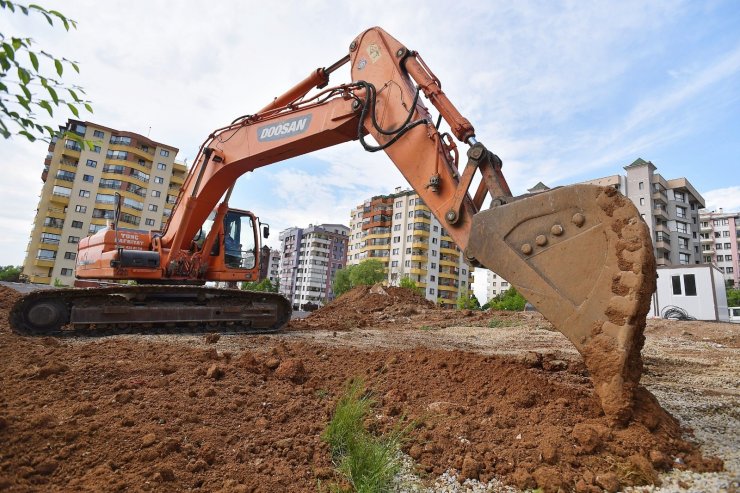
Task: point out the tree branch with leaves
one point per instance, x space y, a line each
29 86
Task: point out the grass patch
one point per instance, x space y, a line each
429 327
368 462
497 323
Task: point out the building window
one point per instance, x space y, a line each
431 290
394 263
153 207
399 203
434 266
729 270
92 163
99 134
728 246
80 208
96 149
158 180
681 212
683 258
73 239
77 224
149 222
642 201
681 227
161 166
156 193
397 227
728 258
465 271
641 185
679 196
164 152
88 178
432 278
66 272
46 254
689 284
434 253
85 193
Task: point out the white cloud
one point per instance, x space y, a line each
726 198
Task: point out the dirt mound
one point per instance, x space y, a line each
8 297
367 306
124 413
131 413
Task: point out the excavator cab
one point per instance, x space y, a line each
240 240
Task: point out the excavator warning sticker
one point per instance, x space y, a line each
283 129
374 52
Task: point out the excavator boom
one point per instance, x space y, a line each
581 254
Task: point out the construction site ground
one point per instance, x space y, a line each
497 399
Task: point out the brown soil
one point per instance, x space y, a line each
170 414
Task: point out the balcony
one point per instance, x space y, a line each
40 279
661 213
660 196
418 271
60 198
43 262
663 244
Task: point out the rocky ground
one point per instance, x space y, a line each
498 400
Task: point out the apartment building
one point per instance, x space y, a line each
400 231
309 260
78 193
720 242
669 207
495 285
273 266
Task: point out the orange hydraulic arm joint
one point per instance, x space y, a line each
478 156
427 158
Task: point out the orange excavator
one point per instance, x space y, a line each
580 254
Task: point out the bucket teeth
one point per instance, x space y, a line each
583 257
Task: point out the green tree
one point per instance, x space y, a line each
10 273
265 285
341 283
467 301
733 297
23 69
509 300
408 283
367 273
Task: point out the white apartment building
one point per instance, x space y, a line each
400 231
495 285
720 242
310 258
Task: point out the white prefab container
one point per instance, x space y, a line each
698 290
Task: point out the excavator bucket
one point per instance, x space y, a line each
582 256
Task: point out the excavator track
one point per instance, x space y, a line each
151 309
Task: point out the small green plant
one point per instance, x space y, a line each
368 462
497 323
321 393
58 283
428 327
408 283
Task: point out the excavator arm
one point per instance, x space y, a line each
580 254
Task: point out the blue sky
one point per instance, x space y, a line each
562 91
